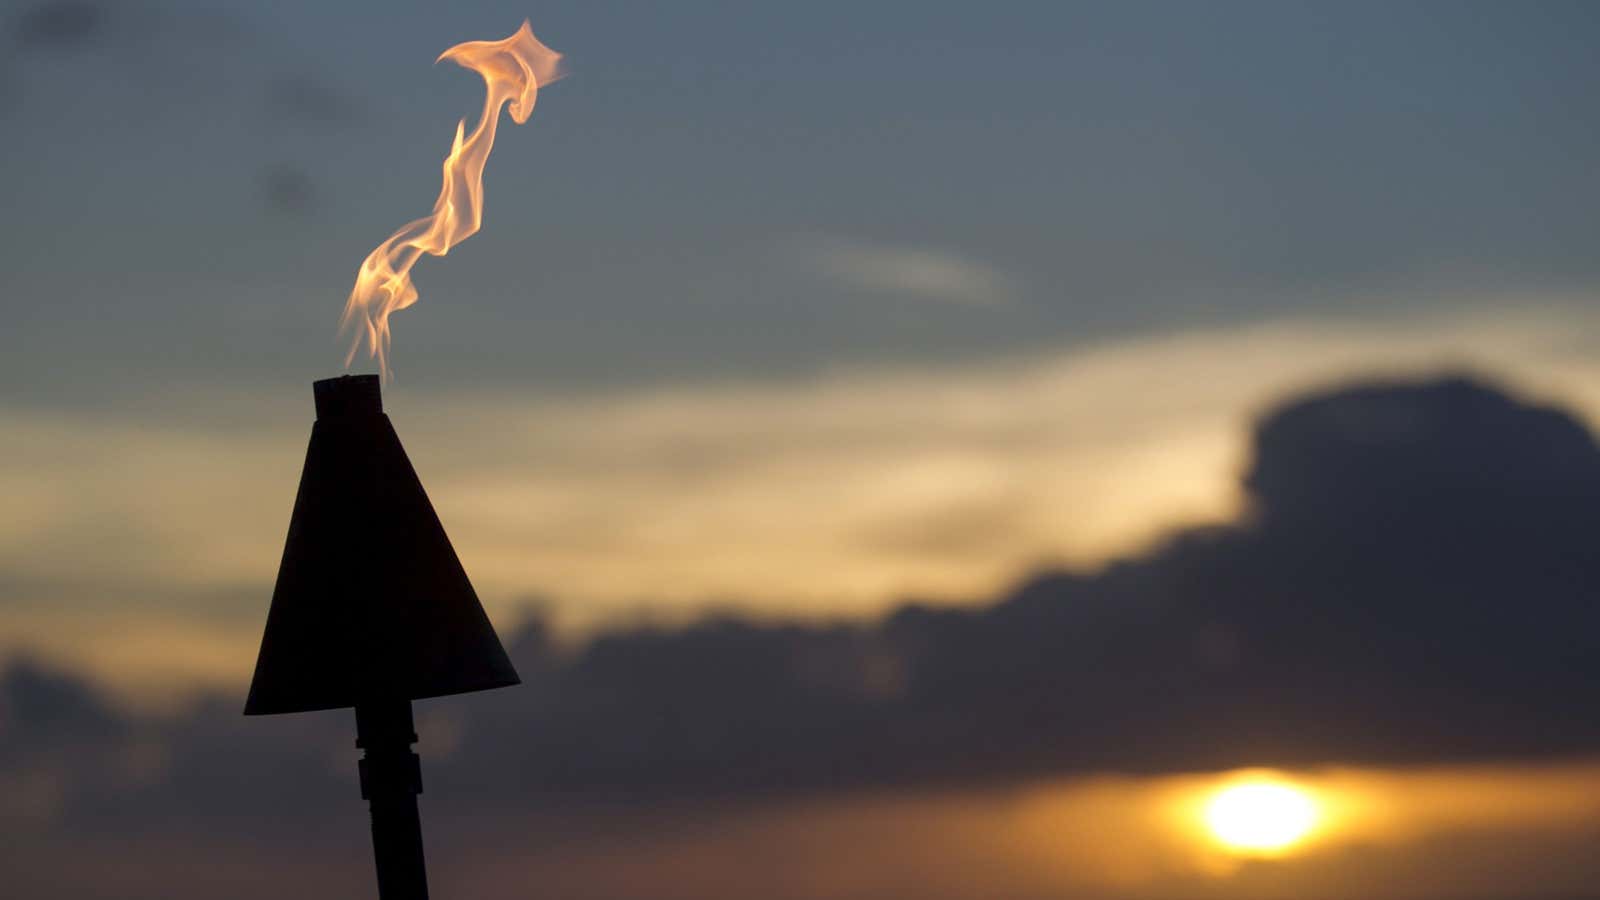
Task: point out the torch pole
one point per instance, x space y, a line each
391 779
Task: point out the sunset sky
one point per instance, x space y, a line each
1008 424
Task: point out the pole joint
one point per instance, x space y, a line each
391 779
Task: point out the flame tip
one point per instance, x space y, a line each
513 69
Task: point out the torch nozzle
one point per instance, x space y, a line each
348 395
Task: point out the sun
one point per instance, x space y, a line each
1261 815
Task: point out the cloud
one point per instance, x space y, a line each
311 101
830 496
1412 591
287 189
1409 588
141 60
39 706
59 23
935 275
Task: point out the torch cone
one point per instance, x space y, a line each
371 602
372 610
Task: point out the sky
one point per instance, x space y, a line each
1010 373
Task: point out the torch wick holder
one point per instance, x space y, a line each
391 779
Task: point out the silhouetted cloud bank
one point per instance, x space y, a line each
1413 583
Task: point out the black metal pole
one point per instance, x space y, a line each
391 779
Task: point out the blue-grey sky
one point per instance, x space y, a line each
737 189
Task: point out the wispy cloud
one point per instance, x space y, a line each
939 275
832 495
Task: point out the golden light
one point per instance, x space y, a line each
1261 815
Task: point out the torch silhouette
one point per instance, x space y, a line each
372 610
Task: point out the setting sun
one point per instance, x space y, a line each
1261 815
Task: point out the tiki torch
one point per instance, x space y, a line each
372 610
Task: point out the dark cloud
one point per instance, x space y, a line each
109 29
1412 584
59 24
43 708
287 189
306 100
185 36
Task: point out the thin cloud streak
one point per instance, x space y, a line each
937 275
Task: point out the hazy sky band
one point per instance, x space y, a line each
777 190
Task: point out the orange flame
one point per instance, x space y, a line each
512 70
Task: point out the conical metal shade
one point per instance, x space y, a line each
371 602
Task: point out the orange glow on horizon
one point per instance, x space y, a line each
512 70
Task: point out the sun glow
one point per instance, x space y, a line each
1261 815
